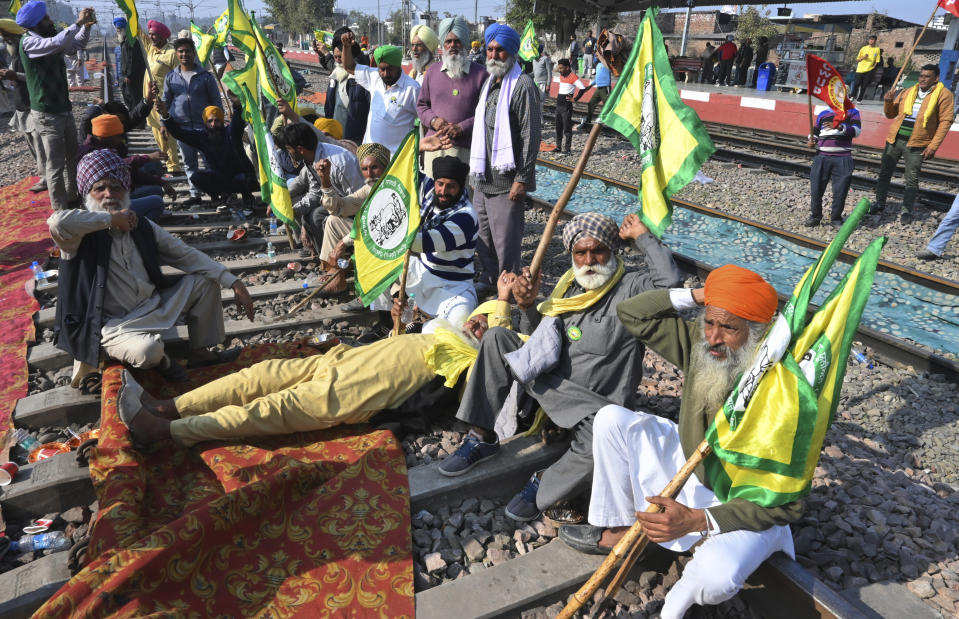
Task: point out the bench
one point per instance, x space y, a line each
686 65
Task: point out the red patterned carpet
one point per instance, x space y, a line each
24 237
311 525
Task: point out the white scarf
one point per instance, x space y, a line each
502 148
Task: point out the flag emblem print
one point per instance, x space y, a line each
385 223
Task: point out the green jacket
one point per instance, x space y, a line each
651 318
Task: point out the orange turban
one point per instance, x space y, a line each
212 110
107 125
742 293
330 126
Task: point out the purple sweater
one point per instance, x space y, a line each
453 100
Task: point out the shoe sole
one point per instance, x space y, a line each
467 469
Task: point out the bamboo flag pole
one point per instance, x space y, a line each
633 541
318 290
402 294
560 205
915 45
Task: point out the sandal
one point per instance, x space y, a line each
225 356
91 384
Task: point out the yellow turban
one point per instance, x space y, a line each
210 111
427 36
9 26
330 126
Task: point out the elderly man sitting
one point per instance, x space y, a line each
590 360
345 385
113 294
638 453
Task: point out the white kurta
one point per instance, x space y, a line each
636 455
439 297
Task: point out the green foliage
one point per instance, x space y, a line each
364 23
753 24
300 16
396 36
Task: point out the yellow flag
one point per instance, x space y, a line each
240 28
203 42
129 9
386 225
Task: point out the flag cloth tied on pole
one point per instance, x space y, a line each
276 80
204 43
221 28
129 9
528 45
386 225
14 7
949 5
767 436
240 28
827 84
324 36
273 189
646 108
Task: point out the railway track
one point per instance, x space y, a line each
544 575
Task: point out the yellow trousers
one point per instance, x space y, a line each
168 146
281 396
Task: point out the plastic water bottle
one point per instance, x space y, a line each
408 310
343 263
25 440
272 226
38 274
861 358
310 281
270 251
54 540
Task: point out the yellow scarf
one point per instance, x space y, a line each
449 356
931 101
556 304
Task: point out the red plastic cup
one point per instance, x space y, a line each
7 472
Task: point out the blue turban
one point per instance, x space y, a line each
31 13
458 26
505 36
119 22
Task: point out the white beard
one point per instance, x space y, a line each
716 378
420 63
596 275
460 330
109 205
455 65
499 69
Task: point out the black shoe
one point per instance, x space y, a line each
928 255
876 209
812 222
375 334
836 223
905 218
584 538
173 372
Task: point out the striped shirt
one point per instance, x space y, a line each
837 141
569 83
909 122
446 241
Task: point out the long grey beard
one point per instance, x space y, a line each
716 378
599 276
109 205
422 62
455 65
499 69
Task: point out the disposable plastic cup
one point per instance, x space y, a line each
7 472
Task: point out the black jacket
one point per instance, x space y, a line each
357 111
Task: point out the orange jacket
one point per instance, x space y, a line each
930 135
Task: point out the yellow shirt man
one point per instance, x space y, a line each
868 57
161 60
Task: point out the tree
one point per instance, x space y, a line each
301 16
397 19
753 24
365 23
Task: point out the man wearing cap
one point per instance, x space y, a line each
503 154
637 453
581 358
449 92
161 58
21 121
423 44
41 50
228 169
130 66
188 91
393 94
113 296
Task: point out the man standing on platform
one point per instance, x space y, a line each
449 93
574 51
589 53
393 94
131 65
568 83
42 50
726 53
833 142
923 115
503 154
762 53
161 58
744 58
708 58
868 58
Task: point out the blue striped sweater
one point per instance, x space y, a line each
446 240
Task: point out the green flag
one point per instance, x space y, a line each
324 36
646 108
14 7
203 42
528 45
221 27
240 28
276 80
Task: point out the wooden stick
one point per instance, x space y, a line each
914 46
635 536
402 296
319 289
550 228
812 123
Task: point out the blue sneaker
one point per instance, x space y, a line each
469 454
522 507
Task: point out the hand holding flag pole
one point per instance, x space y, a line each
949 5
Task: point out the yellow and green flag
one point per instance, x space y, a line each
240 28
204 43
273 189
129 9
767 436
324 36
276 80
221 27
14 7
386 225
646 108
528 45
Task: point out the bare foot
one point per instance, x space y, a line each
611 536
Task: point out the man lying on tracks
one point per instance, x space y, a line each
595 360
345 385
112 293
638 453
